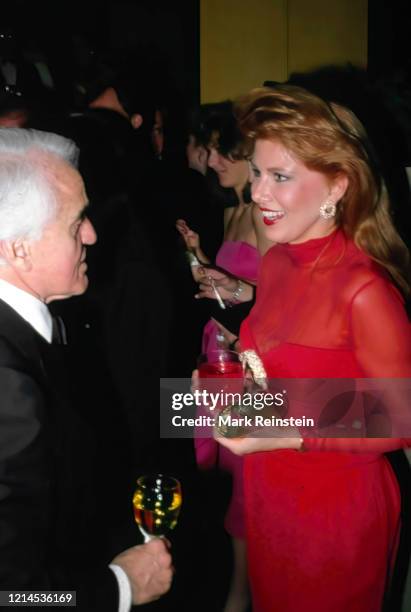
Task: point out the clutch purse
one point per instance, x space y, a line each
238 420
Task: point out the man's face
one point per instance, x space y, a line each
58 268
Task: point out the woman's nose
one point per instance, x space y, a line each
259 193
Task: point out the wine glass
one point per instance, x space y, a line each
220 363
220 372
156 502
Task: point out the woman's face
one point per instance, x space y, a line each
289 195
231 173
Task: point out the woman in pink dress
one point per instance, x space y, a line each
239 256
322 513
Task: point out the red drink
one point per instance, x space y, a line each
225 369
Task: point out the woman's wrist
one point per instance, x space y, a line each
199 253
192 259
234 345
294 444
242 292
238 291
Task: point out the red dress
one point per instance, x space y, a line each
322 525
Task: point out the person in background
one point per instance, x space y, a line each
157 134
197 154
113 328
14 110
239 255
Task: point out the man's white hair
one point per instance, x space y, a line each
27 197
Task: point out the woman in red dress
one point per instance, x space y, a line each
322 524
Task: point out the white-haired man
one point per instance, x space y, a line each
48 516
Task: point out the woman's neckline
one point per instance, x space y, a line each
312 250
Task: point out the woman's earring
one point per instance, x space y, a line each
328 210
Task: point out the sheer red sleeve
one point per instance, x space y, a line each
356 445
381 331
381 335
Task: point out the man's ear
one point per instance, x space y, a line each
136 121
17 253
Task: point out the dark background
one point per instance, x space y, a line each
167 34
163 35
389 37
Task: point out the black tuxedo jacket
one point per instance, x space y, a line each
51 531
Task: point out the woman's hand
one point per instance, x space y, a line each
195 380
191 239
224 282
247 445
198 273
229 337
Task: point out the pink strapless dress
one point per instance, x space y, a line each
242 260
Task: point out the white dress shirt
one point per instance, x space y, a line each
36 313
33 310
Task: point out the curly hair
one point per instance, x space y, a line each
328 138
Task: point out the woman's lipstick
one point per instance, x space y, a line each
270 217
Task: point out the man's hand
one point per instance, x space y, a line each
149 570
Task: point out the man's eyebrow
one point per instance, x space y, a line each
82 214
